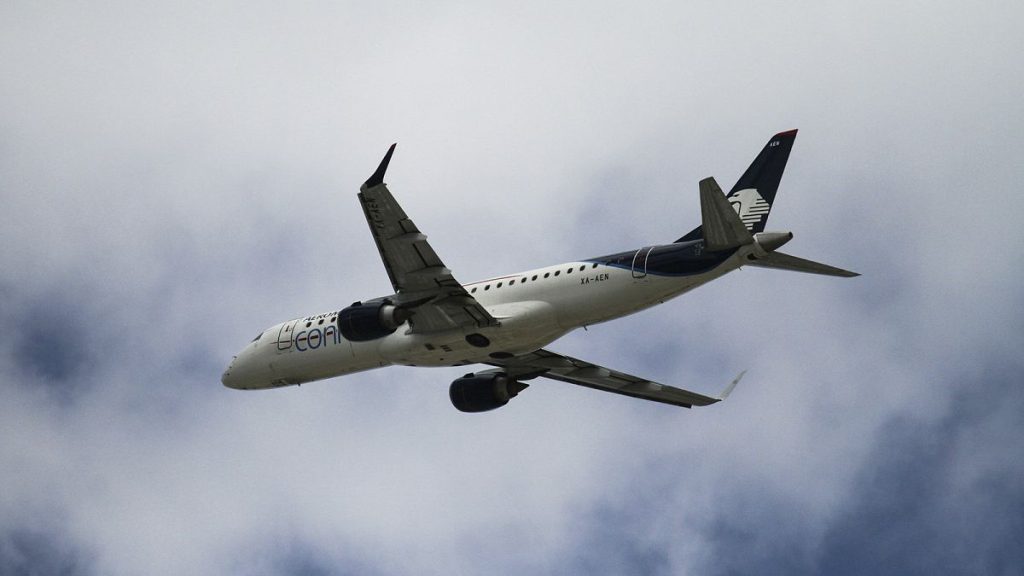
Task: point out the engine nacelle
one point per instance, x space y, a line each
364 321
483 392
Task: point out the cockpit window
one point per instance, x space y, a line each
257 337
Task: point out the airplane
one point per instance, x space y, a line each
506 322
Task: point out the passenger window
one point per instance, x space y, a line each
499 285
534 278
473 291
308 324
487 287
512 281
557 272
320 322
569 271
595 265
523 280
546 274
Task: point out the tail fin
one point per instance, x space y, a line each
754 193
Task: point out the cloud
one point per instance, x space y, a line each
49 348
938 495
178 178
27 552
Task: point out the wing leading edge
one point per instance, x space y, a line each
582 373
421 281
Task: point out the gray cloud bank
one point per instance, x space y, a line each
174 179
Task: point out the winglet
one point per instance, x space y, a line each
728 389
378 177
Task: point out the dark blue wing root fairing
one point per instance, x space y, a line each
680 259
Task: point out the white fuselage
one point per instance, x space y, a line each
533 309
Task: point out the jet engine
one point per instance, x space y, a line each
483 392
363 321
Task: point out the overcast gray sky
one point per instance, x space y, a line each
175 177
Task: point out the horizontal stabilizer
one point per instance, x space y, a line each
720 223
786 262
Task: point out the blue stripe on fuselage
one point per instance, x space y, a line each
680 259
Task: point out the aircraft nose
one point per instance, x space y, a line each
226 378
247 371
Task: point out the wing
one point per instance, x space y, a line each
422 282
567 369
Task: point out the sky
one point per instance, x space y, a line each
176 177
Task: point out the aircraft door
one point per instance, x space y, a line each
285 336
640 262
